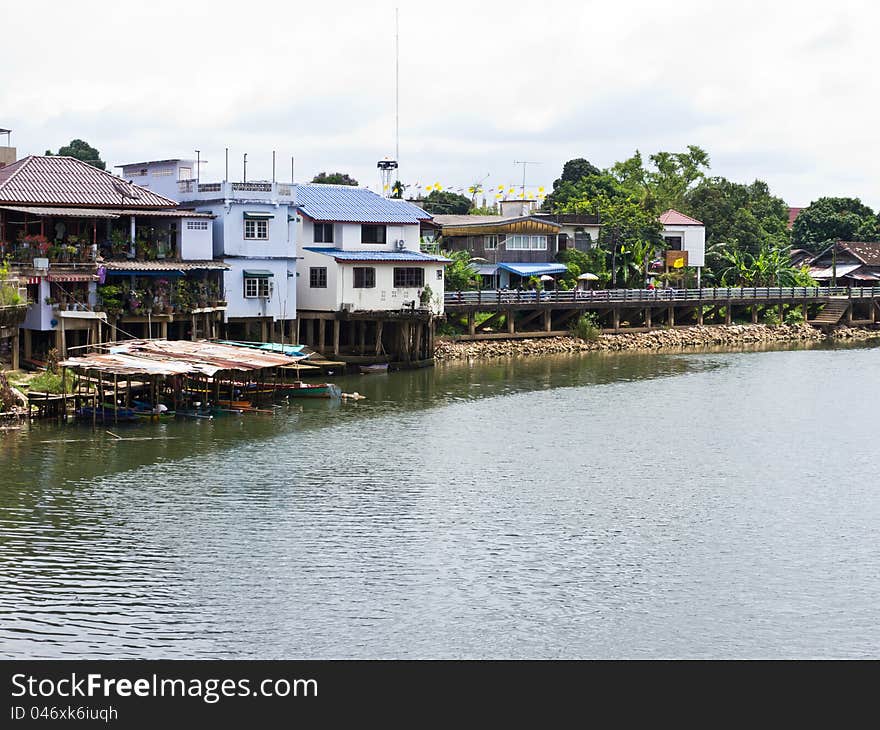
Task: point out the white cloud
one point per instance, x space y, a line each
781 91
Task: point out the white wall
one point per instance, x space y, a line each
383 297
196 244
347 236
282 303
693 240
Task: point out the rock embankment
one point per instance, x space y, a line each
660 339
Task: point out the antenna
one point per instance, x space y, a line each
386 168
273 166
226 174
244 165
291 169
397 84
524 163
476 188
198 166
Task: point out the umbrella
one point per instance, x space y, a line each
588 277
546 277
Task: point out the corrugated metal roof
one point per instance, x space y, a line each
817 272
348 204
103 212
167 357
868 252
165 265
378 256
57 180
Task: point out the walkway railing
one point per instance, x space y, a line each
496 297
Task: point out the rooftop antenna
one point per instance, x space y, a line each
476 188
524 163
291 168
198 165
226 174
273 167
386 169
245 167
397 84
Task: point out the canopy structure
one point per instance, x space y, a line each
533 269
587 276
177 357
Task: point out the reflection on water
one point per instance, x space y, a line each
692 504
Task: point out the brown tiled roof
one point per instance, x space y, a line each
868 252
58 180
673 218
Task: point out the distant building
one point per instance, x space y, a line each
683 233
509 249
792 214
848 263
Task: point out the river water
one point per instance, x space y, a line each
600 505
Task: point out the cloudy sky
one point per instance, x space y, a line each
781 91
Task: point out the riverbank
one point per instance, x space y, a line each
660 339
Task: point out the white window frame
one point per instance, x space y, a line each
257 287
537 243
323 227
354 283
490 242
259 230
517 242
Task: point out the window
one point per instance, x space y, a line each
408 277
364 277
163 171
439 274
538 243
490 242
517 243
197 225
256 230
184 173
323 233
674 242
372 234
318 277
257 287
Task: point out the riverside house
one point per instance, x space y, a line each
848 263
103 258
254 239
363 275
509 248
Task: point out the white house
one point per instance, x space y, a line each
683 233
360 253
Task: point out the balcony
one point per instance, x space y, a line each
148 296
192 190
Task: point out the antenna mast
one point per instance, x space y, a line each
397 84
524 163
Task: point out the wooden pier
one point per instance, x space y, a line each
553 313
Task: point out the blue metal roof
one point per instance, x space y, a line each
533 269
348 204
345 256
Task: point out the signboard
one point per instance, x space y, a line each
676 259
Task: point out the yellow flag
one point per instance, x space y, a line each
678 263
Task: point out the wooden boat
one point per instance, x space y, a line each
106 414
148 412
313 390
194 413
240 404
379 367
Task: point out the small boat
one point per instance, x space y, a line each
194 413
299 389
379 367
145 410
106 414
233 403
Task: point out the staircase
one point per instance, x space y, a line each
832 312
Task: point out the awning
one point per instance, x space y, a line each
533 269
257 216
257 274
63 212
485 269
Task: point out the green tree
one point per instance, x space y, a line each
82 150
335 178
397 190
833 219
674 174
737 217
460 274
441 202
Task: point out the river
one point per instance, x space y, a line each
703 504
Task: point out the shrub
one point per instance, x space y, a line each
771 318
587 327
794 317
47 382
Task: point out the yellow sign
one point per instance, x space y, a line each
676 259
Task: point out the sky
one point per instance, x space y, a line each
783 91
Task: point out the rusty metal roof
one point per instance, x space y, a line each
176 357
58 180
102 212
208 265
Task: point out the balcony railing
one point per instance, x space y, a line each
229 189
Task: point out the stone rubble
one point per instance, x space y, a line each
659 339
